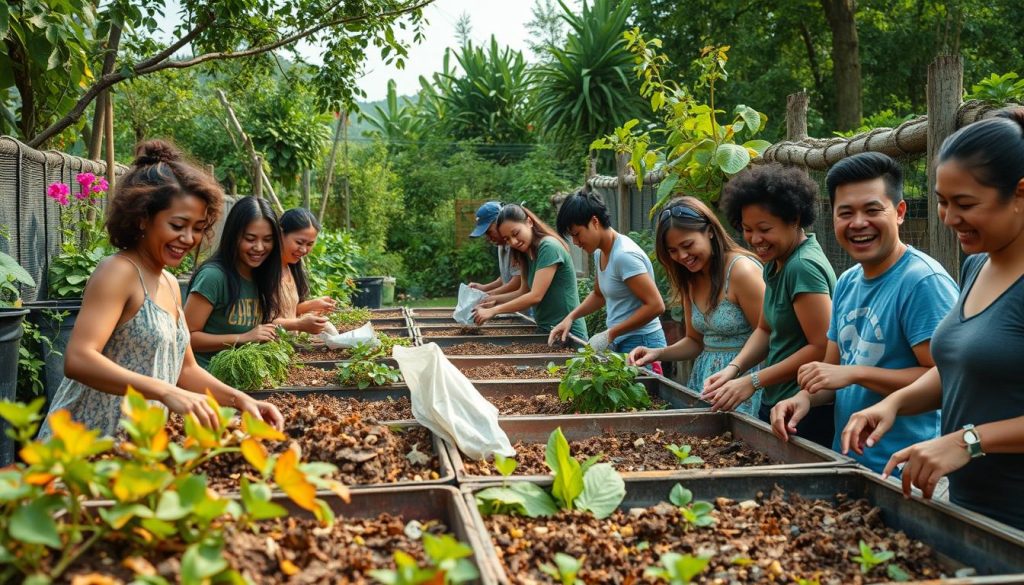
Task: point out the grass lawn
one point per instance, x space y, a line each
438 302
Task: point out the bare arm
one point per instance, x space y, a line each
813 311
541 282
510 286
817 376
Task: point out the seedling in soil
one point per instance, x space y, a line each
591 486
254 366
600 382
362 371
683 454
695 513
158 501
677 569
565 569
449 564
869 559
505 465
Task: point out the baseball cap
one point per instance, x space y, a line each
485 216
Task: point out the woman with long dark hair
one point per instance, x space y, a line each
233 297
718 284
299 230
131 330
976 382
550 283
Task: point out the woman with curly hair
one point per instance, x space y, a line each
131 330
772 205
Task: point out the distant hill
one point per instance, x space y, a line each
357 126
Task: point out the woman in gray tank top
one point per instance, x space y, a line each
977 347
131 330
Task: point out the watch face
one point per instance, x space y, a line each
970 437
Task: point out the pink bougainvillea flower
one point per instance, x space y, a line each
101 185
85 179
83 194
59 193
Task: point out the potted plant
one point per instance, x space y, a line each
12 314
84 244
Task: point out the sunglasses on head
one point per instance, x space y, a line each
681 211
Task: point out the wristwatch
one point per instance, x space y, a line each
973 441
755 381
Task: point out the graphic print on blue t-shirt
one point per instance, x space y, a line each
876 323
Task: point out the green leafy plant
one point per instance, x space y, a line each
998 90
157 500
697 513
387 343
84 241
600 382
506 466
683 454
362 370
11 275
677 569
448 564
350 317
591 486
868 559
698 152
331 265
254 366
30 360
565 569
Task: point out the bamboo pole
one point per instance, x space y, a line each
260 179
342 119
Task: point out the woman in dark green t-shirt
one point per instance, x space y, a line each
550 283
772 205
233 297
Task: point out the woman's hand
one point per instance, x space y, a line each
265 411
641 356
715 381
729 395
787 413
259 334
868 426
322 305
487 303
475 286
816 376
312 323
560 331
482 315
927 462
187 403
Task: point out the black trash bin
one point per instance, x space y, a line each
10 341
369 291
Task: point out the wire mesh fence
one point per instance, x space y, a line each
32 220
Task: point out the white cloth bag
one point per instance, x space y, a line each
445 401
363 335
469 298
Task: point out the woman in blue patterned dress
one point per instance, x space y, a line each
131 330
719 285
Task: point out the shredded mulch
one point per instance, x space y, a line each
503 371
310 376
397 314
636 452
481 331
476 348
321 354
769 539
291 550
365 451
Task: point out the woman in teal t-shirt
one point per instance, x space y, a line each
772 205
233 297
550 283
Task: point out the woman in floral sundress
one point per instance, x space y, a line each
131 330
719 285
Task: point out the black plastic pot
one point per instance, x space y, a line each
369 292
10 340
45 316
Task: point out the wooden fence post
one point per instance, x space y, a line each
945 90
796 116
257 176
621 164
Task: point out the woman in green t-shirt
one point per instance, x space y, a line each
550 283
233 297
772 205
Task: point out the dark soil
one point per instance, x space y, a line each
636 452
386 315
320 353
503 371
365 451
475 348
481 331
343 553
784 540
309 376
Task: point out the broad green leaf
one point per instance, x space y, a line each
603 490
201 562
568 480
759 145
33 524
161 528
666 186
751 117
732 158
896 573
702 507
120 514
528 499
258 504
505 465
440 548
680 496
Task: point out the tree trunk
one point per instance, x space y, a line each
845 61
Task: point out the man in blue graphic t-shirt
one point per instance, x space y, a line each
884 311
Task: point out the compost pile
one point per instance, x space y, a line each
632 451
768 539
500 371
483 331
476 348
